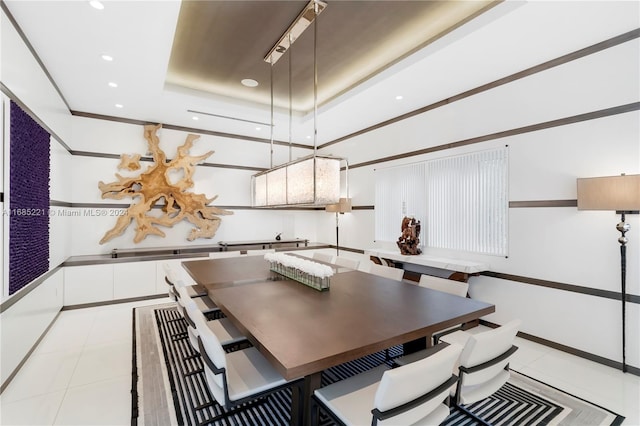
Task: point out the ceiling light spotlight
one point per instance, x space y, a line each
249 82
96 4
258 128
195 118
107 58
399 97
119 106
112 84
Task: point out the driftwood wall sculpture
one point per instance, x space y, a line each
155 185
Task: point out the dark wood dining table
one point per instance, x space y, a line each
303 331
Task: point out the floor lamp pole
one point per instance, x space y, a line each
337 243
623 228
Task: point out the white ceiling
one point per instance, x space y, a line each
70 37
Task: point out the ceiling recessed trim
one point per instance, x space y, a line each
228 117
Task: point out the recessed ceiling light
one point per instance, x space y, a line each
96 4
399 97
112 84
107 58
258 128
249 82
119 105
195 118
308 136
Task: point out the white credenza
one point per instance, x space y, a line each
117 281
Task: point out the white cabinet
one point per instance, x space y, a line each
88 284
134 279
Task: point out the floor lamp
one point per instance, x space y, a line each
342 206
622 194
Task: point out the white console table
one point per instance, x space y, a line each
465 267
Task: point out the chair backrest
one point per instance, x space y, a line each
484 347
213 352
223 254
257 252
182 298
409 382
457 288
323 257
346 262
169 273
387 272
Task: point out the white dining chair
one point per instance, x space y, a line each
483 367
416 393
203 303
241 376
346 262
174 276
223 328
323 257
457 288
387 272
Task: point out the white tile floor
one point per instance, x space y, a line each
80 373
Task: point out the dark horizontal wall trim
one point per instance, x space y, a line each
158 206
27 289
568 349
631 298
150 159
363 207
186 129
56 203
33 53
4 89
113 302
507 133
543 203
623 38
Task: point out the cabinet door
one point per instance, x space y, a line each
134 279
88 284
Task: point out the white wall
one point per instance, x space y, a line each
25 321
232 186
558 244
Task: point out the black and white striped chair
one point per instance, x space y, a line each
416 393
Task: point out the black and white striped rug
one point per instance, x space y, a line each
169 387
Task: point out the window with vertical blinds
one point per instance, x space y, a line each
461 201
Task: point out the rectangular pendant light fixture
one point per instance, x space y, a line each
312 181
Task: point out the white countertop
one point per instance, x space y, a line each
459 265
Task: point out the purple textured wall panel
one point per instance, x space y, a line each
28 200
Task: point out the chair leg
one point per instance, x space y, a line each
314 410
